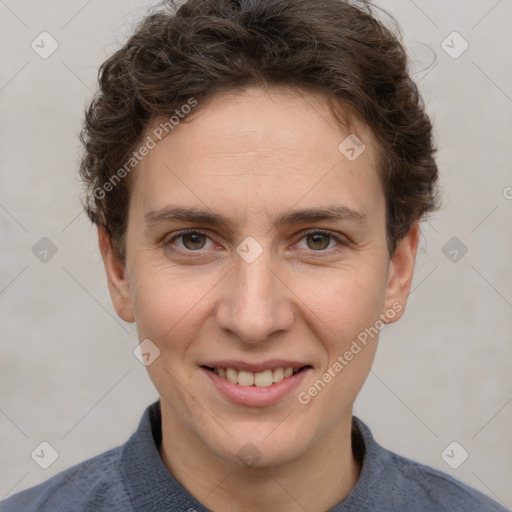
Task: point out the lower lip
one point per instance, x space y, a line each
255 396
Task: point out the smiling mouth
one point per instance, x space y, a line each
262 379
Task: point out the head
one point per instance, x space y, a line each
287 137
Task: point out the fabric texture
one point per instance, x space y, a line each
133 478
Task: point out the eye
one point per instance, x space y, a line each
191 240
319 240
194 240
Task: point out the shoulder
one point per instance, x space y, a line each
391 482
431 489
94 484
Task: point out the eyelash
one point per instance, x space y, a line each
180 234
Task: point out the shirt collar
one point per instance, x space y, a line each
153 488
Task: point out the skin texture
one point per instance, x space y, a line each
251 155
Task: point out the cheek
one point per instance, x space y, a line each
345 301
169 304
351 311
346 313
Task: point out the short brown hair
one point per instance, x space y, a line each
202 47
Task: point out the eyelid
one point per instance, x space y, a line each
322 231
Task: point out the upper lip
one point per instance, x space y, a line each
255 367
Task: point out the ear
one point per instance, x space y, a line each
400 274
116 276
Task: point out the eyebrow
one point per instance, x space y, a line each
174 213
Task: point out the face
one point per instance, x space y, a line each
284 266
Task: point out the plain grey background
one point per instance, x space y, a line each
68 375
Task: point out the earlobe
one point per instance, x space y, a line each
116 276
400 275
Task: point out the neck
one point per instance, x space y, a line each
315 481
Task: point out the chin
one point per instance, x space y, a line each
258 451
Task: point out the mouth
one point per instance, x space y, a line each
254 385
262 379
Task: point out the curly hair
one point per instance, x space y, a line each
198 48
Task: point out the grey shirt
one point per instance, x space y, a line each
133 478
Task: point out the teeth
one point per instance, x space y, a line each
245 378
261 379
278 374
232 375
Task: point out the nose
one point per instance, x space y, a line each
255 301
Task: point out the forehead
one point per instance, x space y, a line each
256 152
